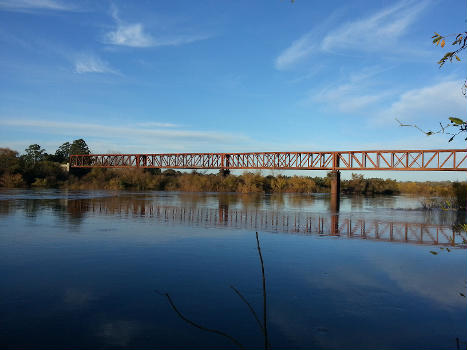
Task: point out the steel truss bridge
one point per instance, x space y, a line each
288 222
413 160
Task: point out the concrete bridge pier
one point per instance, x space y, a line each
335 176
225 165
224 172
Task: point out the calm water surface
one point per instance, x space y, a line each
153 269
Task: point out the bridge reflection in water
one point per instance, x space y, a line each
306 223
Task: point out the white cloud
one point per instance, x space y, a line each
299 49
87 63
135 35
21 5
304 46
130 35
124 136
357 93
346 98
119 332
435 102
373 33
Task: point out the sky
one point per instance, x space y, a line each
230 76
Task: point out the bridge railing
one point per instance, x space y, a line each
418 160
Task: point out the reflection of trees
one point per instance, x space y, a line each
275 201
429 231
263 326
300 201
77 208
253 213
357 202
6 208
253 200
31 206
193 198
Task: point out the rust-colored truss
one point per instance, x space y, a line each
432 160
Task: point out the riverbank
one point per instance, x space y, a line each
47 174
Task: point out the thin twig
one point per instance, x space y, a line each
462 128
266 341
255 315
197 325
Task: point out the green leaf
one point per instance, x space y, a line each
429 133
434 253
456 121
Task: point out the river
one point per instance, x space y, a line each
101 269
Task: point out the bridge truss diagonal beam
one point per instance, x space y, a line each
412 160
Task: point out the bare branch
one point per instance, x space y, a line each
196 324
266 340
459 124
255 315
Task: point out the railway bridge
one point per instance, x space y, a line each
334 161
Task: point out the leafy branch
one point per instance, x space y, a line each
460 42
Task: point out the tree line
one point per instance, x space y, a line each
36 168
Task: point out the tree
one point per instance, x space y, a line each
34 154
79 147
9 162
63 152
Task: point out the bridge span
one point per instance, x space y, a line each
400 160
405 160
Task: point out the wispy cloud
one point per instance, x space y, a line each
377 30
356 93
22 5
135 35
122 135
158 125
300 48
304 46
431 103
89 63
372 33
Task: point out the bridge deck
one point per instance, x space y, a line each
413 160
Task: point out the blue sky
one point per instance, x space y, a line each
228 76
